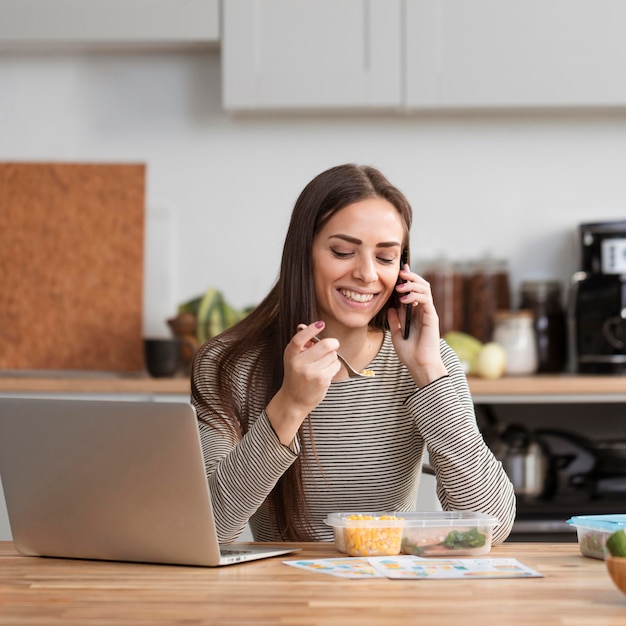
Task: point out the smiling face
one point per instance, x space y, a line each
356 258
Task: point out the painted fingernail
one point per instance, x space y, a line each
319 324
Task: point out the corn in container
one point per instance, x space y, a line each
367 534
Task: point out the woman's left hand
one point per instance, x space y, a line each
421 351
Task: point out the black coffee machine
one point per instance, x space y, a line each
597 309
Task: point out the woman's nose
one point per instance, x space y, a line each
365 270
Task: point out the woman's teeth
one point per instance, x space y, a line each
355 296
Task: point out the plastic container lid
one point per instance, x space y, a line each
344 520
447 518
431 519
608 523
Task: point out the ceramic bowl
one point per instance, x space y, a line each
617 570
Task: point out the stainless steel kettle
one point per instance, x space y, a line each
527 463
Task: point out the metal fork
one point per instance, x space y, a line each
352 373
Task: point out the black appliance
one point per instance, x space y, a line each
557 472
597 308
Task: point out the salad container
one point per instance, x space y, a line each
447 533
594 530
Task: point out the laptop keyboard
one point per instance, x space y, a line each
228 552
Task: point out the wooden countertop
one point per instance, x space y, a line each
575 591
92 383
563 387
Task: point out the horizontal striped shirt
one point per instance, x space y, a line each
369 436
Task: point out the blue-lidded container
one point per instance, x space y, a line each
594 530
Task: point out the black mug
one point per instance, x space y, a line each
162 356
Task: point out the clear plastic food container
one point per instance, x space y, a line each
447 533
367 534
426 534
594 530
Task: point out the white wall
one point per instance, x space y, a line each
220 189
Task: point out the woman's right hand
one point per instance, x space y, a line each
309 370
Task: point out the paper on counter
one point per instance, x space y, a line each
420 568
348 567
417 568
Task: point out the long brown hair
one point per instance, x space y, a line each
267 330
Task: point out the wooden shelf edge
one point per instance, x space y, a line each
549 385
95 385
519 386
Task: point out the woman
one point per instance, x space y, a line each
287 436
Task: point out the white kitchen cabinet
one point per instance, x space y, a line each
299 54
44 22
507 53
411 55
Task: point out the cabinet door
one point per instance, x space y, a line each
513 53
303 54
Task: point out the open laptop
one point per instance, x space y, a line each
112 480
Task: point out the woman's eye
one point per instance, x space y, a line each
387 261
339 254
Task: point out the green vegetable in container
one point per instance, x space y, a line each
458 539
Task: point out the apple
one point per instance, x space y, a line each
490 361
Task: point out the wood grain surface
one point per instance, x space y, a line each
71 266
543 385
575 591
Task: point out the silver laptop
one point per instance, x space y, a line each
112 480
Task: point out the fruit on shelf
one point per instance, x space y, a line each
487 360
466 348
491 361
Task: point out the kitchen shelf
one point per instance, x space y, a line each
93 384
546 388
511 389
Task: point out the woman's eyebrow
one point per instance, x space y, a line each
354 240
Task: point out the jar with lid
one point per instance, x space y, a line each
543 298
446 284
514 331
486 291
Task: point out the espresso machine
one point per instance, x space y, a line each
597 307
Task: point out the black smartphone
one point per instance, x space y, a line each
404 259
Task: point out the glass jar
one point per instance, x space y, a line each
543 298
446 284
514 331
486 291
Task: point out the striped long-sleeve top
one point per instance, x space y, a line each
369 436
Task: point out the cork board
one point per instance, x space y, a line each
71 266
